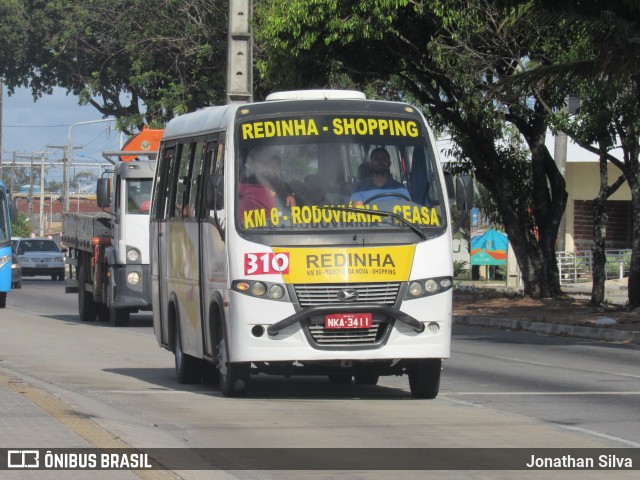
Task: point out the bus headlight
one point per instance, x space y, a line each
258 289
431 286
427 287
415 289
265 290
276 291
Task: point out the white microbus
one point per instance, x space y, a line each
308 234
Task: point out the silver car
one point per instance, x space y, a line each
40 256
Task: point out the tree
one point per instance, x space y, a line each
119 54
20 227
448 57
601 65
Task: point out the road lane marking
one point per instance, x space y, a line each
539 393
603 435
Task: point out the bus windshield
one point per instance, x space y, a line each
334 172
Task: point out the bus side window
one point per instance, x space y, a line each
159 198
182 184
196 175
214 165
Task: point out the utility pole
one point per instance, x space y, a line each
31 157
240 53
65 172
69 157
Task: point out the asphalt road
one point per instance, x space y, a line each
500 389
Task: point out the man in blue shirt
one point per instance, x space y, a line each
380 181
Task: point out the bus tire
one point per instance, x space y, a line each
118 317
3 299
424 378
340 378
188 368
87 307
366 378
234 377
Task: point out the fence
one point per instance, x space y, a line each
577 266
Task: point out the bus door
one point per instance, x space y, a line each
159 235
182 262
212 246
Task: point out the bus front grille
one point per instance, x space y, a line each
312 295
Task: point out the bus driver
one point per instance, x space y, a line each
380 181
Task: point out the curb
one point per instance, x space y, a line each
550 328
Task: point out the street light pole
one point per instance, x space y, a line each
69 157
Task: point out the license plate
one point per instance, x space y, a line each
348 320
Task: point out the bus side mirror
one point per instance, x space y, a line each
451 189
460 192
464 193
103 192
214 192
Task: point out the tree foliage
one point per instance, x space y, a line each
601 65
141 61
447 56
20 226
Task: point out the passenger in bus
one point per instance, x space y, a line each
261 186
379 181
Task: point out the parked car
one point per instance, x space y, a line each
16 272
40 256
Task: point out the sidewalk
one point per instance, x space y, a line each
616 294
29 419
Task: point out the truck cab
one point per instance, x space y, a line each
127 254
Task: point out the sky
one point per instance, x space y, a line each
29 126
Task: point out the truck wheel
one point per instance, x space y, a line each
234 377
103 313
3 299
118 317
87 308
188 368
424 378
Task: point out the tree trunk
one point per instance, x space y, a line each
599 257
634 269
599 237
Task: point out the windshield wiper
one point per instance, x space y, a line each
382 213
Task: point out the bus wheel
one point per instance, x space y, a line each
87 308
234 377
366 378
340 378
118 317
188 368
424 378
3 299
